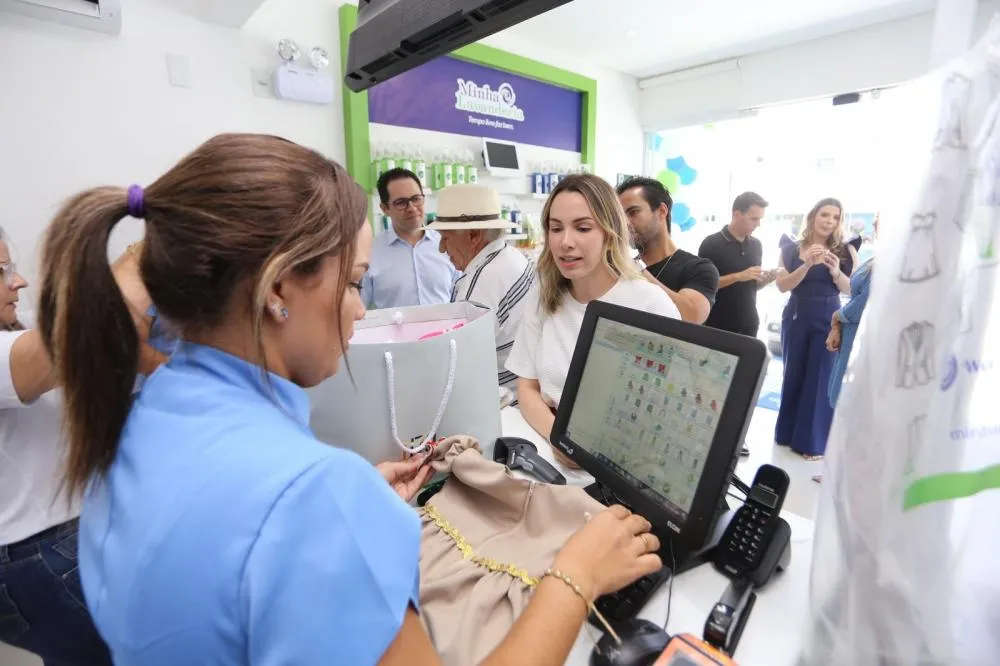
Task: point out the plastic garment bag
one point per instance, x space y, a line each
908 528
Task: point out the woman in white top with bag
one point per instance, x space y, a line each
586 257
42 608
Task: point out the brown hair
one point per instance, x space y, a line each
610 217
222 227
836 240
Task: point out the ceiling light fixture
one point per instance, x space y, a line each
288 51
318 57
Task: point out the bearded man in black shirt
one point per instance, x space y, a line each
690 281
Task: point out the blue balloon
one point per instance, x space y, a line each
680 166
680 211
657 143
687 224
676 164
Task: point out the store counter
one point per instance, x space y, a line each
774 632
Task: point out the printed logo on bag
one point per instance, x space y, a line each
971 366
950 373
499 103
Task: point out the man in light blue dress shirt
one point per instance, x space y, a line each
407 268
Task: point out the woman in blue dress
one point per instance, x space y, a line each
216 528
843 329
816 270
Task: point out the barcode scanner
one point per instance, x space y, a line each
520 454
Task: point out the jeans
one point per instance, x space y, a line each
41 602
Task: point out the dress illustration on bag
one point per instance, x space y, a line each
914 442
951 133
920 259
915 356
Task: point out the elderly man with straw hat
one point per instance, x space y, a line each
493 273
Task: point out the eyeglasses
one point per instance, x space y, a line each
8 271
402 204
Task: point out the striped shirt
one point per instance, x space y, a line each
499 277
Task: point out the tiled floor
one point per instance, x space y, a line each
803 491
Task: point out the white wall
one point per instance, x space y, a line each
619 132
877 56
79 109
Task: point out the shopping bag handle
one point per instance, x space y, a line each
390 374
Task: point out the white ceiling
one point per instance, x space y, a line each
648 37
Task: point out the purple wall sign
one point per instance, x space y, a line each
458 97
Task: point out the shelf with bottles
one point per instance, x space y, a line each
434 170
437 169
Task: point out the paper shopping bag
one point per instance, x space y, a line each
904 564
419 373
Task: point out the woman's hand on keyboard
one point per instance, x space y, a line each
612 550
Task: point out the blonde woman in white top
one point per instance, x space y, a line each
42 608
586 257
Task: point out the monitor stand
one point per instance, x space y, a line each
684 559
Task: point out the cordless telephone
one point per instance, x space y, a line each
757 541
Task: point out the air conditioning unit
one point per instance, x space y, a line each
99 15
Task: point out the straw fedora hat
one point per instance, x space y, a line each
468 207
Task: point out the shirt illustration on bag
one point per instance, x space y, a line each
914 362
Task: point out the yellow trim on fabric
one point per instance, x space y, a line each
469 554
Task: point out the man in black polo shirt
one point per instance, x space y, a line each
691 282
737 255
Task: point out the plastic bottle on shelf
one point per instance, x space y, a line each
552 177
528 229
538 182
388 158
420 168
448 168
406 158
437 172
471 170
458 168
516 219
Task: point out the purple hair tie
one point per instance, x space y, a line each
136 208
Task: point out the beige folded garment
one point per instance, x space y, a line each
487 538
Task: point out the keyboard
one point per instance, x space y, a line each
626 603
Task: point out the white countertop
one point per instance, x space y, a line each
774 632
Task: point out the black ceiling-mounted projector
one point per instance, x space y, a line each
393 36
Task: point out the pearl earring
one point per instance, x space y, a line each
279 311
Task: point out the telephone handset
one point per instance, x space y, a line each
757 542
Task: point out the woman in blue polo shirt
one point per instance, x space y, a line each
216 529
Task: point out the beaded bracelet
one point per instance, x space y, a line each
558 575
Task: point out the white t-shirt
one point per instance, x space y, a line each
32 453
545 343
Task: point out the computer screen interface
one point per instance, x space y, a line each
648 407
